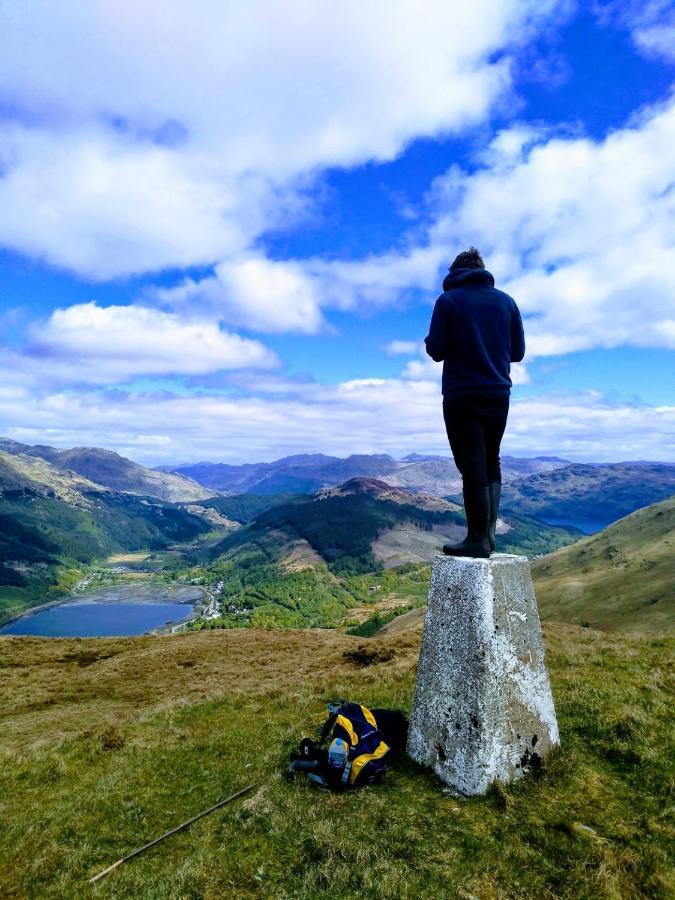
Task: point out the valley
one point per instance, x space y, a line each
305 597
294 559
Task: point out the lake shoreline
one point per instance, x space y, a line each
147 593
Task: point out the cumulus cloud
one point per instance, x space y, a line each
254 292
98 203
580 231
339 419
165 134
90 343
239 289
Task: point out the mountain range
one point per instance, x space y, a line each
64 509
546 487
61 511
308 473
603 493
110 470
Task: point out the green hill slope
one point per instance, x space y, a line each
51 522
106 744
621 579
308 560
244 507
342 524
18 471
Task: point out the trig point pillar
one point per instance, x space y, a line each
483 708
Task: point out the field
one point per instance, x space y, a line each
108 743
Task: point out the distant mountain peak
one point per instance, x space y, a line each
380 490
363 485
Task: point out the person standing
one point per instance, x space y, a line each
476 331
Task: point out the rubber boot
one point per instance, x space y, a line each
495 488
477 509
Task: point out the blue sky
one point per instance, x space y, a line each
223 227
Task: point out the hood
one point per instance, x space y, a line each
462 277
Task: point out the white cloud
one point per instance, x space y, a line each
402 348
240 290
581 232
102 345
425 368
657 40
349 417
101 205
166 134
254 292
651 23
583 235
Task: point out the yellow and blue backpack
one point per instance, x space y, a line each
361 744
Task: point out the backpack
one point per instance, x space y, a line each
360 747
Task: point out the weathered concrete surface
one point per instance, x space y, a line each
483 708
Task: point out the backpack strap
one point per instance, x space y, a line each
327 727
317 779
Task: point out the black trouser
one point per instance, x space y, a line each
475 426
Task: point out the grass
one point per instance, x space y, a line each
108 743
378 620
620 579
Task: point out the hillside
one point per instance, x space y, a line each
20 472
53 521
244 507
112 471
342 524
618 580
307 561
107 743
600 493
308 473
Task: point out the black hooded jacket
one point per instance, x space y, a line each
477 332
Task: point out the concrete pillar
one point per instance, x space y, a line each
483 708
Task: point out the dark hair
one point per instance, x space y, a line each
468 259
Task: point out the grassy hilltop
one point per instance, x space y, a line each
107 743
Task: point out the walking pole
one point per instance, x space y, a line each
172 831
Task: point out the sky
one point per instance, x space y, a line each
223 226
